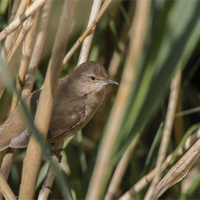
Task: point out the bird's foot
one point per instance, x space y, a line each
58 155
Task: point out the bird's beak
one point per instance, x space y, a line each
110 81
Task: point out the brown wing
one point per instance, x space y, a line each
16 122
66 120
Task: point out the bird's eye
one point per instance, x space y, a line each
92 78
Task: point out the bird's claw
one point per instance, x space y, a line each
58 155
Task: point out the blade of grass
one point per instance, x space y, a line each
85 180
154 147
194 186
192 129
183 42
188 112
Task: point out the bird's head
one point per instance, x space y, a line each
92 77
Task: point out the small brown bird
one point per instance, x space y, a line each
79 95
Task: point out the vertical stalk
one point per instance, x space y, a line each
138 31
175 85
32 161
88 40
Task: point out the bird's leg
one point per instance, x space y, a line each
58 155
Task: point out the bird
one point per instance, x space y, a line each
79 95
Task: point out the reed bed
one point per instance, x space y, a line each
144 141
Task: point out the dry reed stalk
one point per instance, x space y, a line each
138 186
88 40
28 45
14 10
123 43
113 71
17 9
32 161
178 171
175 85
37 52
7 162
20 19
142 183
14 52
138 30
16 49
48 182
5 189
10 40
121 169
85 34
27 50
49 179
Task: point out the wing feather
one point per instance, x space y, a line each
66 120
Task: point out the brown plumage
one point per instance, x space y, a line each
78 97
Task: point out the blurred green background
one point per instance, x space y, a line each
172 42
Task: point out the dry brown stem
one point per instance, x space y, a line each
20 19
88 40
138 30
15 7
25 29
10 61
8 158
10 40
33 64
142 183
7 163
5 189
179 170
175 85
27 49
32 161
37 52
85 34
48 182
121 169
49 179
114 72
